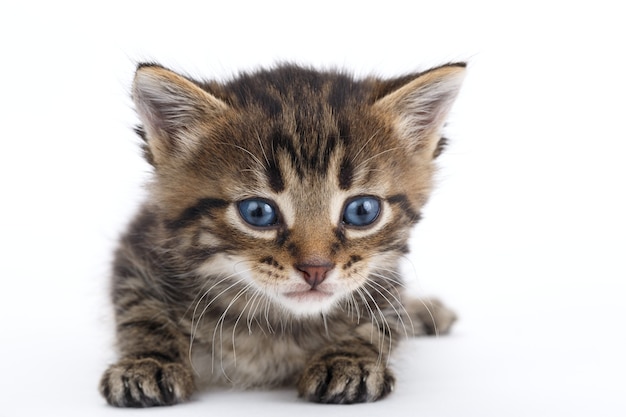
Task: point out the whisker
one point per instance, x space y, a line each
267 317
430 314
253 316
254 157
391 304
350 308
196 318
373 319
385 325
377 155
195 323
421 299
325 324
223 315
388 279
365 145
356 308
239 318
205 292
381 338
262 148
206 307
220 324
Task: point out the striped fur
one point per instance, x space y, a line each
202 298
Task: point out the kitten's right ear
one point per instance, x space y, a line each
172 110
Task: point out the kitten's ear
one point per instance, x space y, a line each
172 109
419 106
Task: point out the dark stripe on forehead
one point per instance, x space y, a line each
309 151
203 207
275 176
403 203
283 142
346 173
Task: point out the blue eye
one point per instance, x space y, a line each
361 211
258 212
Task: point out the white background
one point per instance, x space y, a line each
525 235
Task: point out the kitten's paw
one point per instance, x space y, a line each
430 316
341 378
146 383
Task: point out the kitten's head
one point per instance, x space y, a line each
298 185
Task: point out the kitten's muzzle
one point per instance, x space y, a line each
314 274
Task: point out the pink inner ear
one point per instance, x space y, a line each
421 106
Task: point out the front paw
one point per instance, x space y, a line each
146 383
344 378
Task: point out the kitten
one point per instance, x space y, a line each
267 252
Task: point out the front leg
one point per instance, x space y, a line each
153 368
353 371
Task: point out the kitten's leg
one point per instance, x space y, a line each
429 316
152 370
353 371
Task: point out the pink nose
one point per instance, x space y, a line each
314 274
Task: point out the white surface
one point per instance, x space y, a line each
525 235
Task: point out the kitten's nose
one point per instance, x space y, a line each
314 274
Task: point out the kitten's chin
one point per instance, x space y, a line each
308 302
308 296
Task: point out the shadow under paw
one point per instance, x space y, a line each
342 378
146 383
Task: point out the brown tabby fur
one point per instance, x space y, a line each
199 294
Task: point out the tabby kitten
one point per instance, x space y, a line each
267 252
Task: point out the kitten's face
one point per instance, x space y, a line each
302 191
314 239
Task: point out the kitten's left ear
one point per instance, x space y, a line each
419 107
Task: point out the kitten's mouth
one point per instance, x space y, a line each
310 301
308 295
